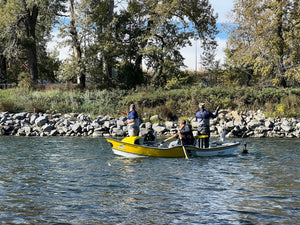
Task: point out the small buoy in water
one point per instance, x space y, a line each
245 150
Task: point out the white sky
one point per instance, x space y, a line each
222 7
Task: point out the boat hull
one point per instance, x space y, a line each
132 150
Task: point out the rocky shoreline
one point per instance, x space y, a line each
236 124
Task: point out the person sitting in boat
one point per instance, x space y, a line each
186 134
202 117
132 121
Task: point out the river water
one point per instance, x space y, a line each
65 180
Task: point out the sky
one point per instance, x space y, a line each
192 53
223 8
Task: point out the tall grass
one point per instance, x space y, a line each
167 103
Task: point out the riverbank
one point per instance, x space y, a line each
236 124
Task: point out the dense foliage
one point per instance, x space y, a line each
136 47
264 44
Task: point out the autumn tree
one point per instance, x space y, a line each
265 43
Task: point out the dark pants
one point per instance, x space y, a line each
206 142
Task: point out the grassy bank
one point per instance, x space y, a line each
150 100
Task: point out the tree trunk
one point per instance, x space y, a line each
107 59
280 45
76 45
3 72
30 25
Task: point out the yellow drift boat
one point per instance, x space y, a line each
131 147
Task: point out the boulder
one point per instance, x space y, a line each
76 127
33 118
171 124
117 132
20 116
160 129
47 128
154 118
53 133
253 124
41 121
286 126
21 132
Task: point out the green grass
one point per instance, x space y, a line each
167 103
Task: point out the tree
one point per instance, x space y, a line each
171 26
76 46
143 30
265 41
157 30
27 26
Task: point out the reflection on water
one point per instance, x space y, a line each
63 180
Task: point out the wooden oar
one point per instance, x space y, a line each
183 148
169 138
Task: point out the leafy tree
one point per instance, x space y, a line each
265 41
169 26
25 26
142 30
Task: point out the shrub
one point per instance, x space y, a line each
7 105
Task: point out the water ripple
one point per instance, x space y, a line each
64 180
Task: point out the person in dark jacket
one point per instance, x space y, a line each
186 134
202 117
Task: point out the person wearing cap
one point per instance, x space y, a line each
132 121
202 117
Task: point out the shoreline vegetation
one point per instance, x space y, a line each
59 111
168 104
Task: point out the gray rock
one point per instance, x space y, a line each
286 126
253 124
57 115
144 131
160 129
33 118
95 124
20 116
41 121
148 125
76 127
109 123
27 130
53 133
154 118
47 128
9 122
3 119
117 132
99 132
171 124
21 132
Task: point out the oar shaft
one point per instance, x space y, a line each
183 148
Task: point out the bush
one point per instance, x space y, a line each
7 105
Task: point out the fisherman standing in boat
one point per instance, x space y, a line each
202 117
186 134
132 121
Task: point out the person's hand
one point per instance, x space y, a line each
118 111
218 108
